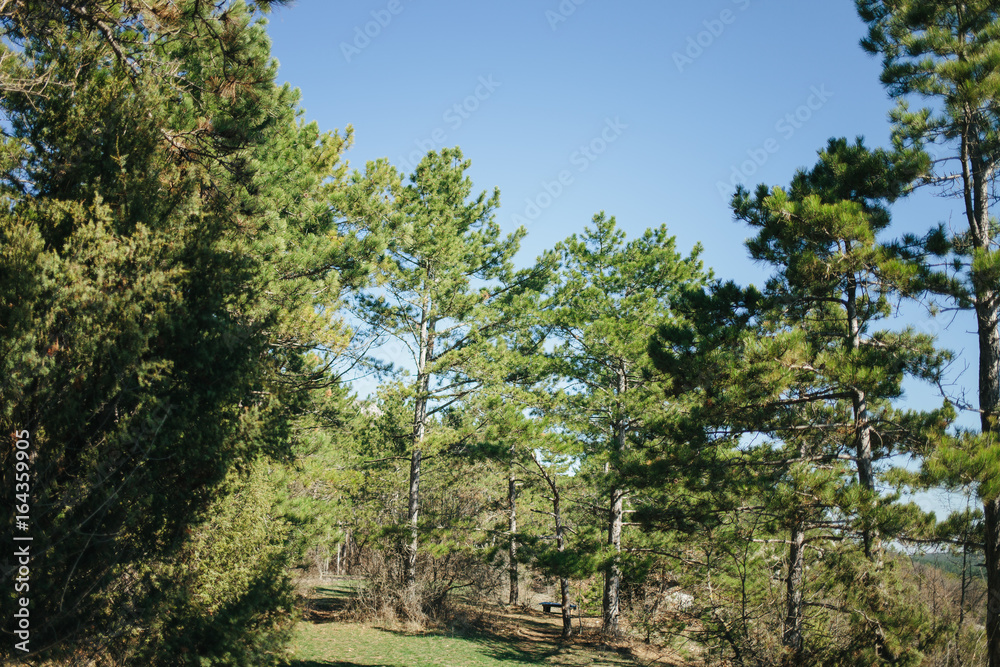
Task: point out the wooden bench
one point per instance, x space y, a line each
547 606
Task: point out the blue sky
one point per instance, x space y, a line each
694 91
646 110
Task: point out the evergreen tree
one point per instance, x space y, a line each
167 249
833 284
552 467
812 373
446 291
609 296
946 53
835 279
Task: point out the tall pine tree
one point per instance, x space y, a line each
446 291
167 248
609 296
947 54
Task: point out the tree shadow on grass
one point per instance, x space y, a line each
539 639
334 663
328 603
519 652
501 647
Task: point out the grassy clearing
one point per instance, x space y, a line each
521 638
348 645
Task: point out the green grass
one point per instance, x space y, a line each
349 645
533 639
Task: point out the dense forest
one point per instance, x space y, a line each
190 273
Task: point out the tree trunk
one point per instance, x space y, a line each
612 575
512 571
419 429
612 572
992 520
988 301
567 619
791 639
866 478
550 479
987 306
413 513
862 432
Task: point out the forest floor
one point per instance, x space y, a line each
476 637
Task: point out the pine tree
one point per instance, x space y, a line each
946 53
609 296
551 468
153 320
447 291
804 365
833 284
833 275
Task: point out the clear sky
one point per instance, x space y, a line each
647 110
644 107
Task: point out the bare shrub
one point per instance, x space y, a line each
442 581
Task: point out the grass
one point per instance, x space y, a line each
349 645
526 638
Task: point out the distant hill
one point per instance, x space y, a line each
952 563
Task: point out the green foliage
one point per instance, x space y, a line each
803 369
448 292
447 267
168 247
175 248
946 54
226 599
609 295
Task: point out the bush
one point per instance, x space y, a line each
227 599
